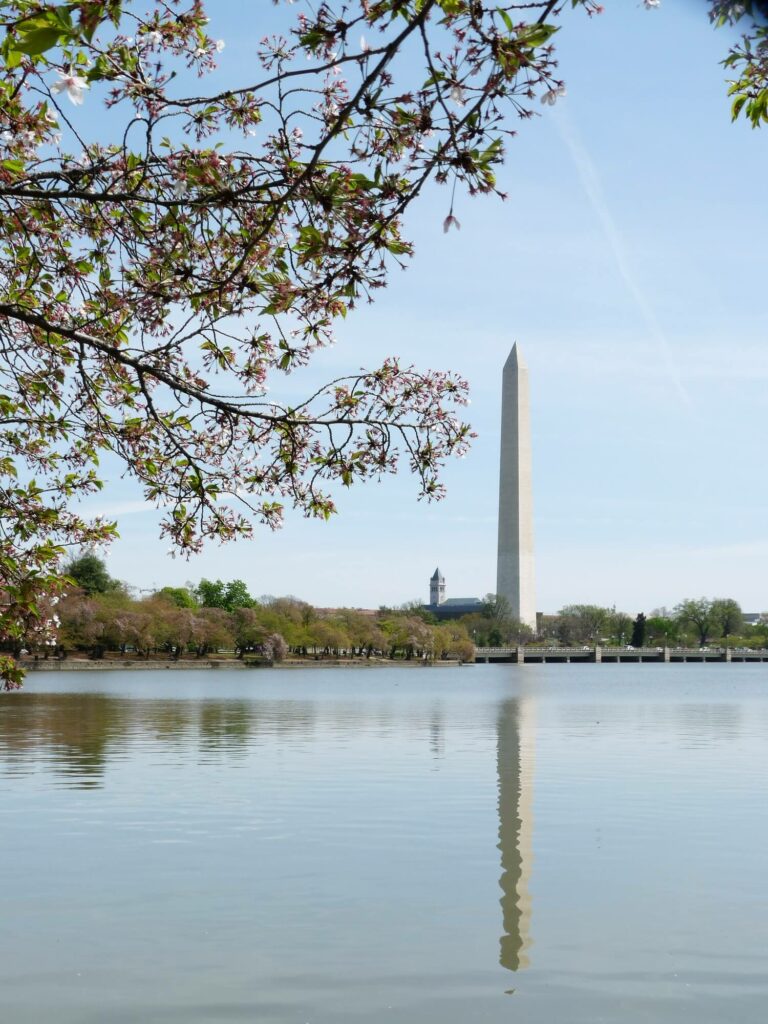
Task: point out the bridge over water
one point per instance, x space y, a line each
529 654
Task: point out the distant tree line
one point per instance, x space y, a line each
693 622
99 615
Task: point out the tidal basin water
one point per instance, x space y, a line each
548 844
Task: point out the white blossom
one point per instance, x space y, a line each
551 97
457 95
73 85
220 44
651 4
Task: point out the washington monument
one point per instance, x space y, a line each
514 569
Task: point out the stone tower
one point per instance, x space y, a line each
514 567
437 588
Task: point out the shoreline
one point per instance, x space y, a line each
117 664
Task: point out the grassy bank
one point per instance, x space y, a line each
142 664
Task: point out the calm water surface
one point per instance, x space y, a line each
541 844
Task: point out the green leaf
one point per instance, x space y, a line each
38 41
14 166
736 106
537 35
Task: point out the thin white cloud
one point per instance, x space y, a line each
593 189
112 509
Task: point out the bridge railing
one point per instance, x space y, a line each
535 651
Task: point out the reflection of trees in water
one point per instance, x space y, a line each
77 734
171 720
514 760
226 725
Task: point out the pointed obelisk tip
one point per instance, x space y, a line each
515 359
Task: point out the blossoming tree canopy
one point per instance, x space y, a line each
748 58
156 282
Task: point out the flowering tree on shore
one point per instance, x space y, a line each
154 283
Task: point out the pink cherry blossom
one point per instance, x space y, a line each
73 85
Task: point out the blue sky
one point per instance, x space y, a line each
630 264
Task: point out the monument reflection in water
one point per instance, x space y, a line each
79 735
514 760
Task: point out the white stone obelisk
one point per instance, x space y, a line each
514 570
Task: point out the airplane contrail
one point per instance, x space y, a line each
590 182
